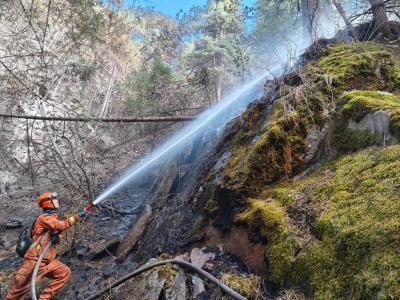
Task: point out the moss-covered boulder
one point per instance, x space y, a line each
348 66
366 118
267 222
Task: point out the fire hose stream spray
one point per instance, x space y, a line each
238 100
39 261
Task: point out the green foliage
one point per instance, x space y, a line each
222 17
146 87
157 35
219 49
274 18
204 51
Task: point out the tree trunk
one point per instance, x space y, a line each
342 13
218 87
380 18
218 75
309 11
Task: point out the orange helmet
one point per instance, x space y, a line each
44 200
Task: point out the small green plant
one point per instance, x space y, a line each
248 286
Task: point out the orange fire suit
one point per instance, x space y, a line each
50 267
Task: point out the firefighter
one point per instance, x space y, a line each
47 227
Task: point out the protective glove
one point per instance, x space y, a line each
83 213
55 238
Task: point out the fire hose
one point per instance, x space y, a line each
226 289
36 269
39 261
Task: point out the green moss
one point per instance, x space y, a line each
348 140
274 153
269 148
266 222
282 193
366 66
248 286
355 252
356 105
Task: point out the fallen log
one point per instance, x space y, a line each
101 120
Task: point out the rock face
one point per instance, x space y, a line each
378 123
131 238
173 219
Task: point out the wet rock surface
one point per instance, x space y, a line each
377 123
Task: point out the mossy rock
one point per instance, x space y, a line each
335 231
270 147
273 150
266 222
366 66
354 252
355 106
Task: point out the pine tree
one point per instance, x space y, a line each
214 52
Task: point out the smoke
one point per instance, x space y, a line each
286 51
216 117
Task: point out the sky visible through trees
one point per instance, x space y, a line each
172 7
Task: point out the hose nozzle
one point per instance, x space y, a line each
89 207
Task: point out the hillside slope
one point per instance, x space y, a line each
331 229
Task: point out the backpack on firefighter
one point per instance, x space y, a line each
25 237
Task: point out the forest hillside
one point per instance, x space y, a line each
293 194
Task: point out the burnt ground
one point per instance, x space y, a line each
178 214
90 266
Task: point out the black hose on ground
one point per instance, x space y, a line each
226 289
